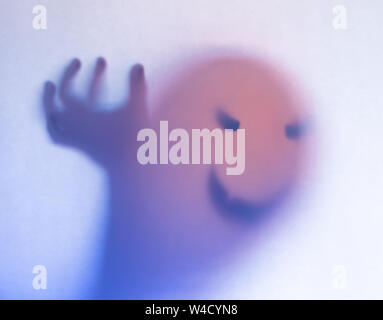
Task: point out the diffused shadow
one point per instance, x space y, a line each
161 225
109 139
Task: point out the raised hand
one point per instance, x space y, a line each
106 136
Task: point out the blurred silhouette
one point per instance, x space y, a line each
141 258
102 135
238 92
109 139
164 233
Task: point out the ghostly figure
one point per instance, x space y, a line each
169 225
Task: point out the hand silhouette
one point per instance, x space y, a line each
106 136
110 139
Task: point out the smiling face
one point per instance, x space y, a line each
232 93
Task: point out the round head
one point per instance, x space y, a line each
237 93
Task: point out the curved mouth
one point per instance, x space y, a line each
238 208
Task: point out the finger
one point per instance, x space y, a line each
48 98
137 86
94 88
53 128
51 110
67 78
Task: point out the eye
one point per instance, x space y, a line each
226 121
294 131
